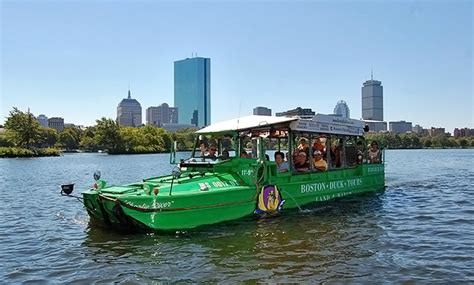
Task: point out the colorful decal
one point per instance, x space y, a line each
269 200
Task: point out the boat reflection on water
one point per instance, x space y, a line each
332 241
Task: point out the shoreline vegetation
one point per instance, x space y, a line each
13 152
16 152
24 137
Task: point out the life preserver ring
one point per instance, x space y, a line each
269 200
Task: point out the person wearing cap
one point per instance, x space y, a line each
319 163
318 145
303 146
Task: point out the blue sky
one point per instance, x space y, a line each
75 59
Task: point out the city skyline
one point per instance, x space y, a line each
55 65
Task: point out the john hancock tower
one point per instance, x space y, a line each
192 91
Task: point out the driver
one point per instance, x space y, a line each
212 151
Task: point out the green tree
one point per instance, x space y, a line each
184 138
107 135
426 141
88 141
22 128
130 138
146 139
4 142
153 138
410 141
463 142
452 142
416 142
48 137
167 139
88 144
70 138
440 141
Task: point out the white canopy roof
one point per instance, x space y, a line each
244 123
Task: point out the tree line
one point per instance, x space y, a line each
24 136
415 141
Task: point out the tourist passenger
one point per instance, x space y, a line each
225 154
301 164
374 153
282 165
243 154
319 163
335 156
317 145
303 146
360 152
202 148
212 151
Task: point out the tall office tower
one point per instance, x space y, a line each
372 100
192 91
163 114
129 112
342 109
262 111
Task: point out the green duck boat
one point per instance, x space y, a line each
230 176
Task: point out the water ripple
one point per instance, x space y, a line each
417 231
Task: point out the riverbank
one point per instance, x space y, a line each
12 152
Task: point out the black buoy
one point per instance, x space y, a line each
67 188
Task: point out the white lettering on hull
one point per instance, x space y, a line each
331 185
375 168
217 184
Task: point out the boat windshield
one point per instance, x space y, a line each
212 149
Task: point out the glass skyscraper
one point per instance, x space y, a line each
192 91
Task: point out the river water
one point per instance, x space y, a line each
419 230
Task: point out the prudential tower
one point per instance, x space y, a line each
372 100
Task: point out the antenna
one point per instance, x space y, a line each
238 117
371 74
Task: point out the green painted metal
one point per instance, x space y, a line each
223 191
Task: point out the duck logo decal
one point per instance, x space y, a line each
269 200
